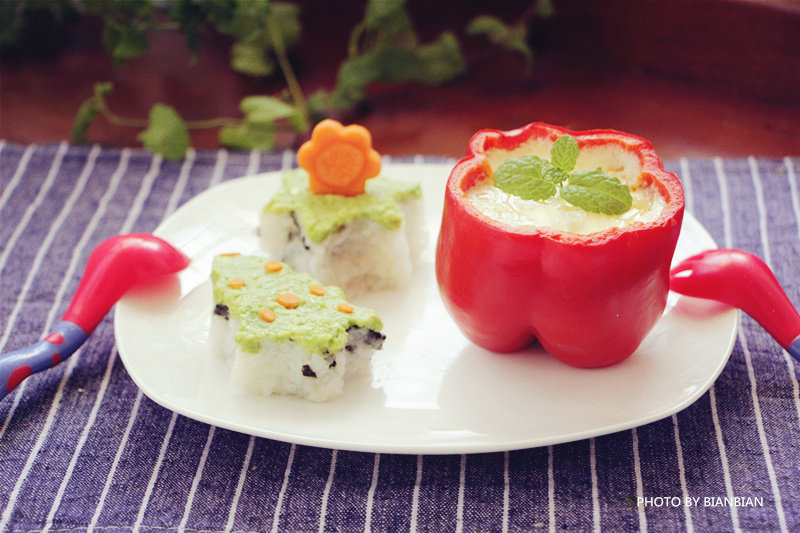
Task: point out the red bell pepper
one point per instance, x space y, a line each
589 299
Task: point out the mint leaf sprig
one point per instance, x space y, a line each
533 178
384 47
165 132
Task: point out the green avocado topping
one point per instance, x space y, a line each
316 324
322 214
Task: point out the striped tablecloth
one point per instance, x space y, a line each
81 448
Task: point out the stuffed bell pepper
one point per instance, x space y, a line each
560 237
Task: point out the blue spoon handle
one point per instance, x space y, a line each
794 349
15 366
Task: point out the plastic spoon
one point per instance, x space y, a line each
744 281
115 266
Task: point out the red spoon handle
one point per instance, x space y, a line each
115 266
744 281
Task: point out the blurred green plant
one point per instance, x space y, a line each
383 47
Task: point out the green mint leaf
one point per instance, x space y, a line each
525 178
553 174
564 153
166 133
597 192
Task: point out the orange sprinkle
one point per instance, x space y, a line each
317 290
288 300
230 254
236 283
273 265
345 308
339 159
267 315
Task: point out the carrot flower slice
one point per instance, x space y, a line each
339 159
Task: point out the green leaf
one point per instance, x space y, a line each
440 61
514 38
319 105
597 192
248 136
250 26
88 111
265 109
494 28
564 153
525 178
111 36
248 22
220 15
102 88
544 8
380 13
252 59
431 64
355 74
166 133
287 17
189 16
83 119
130 43
126 24
385 22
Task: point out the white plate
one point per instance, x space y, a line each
432 390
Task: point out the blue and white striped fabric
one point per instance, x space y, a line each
82 449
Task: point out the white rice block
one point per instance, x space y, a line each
285 368
360 256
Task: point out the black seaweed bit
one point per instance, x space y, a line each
223 311
307 372
375 338
292 235
299 230
333 364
